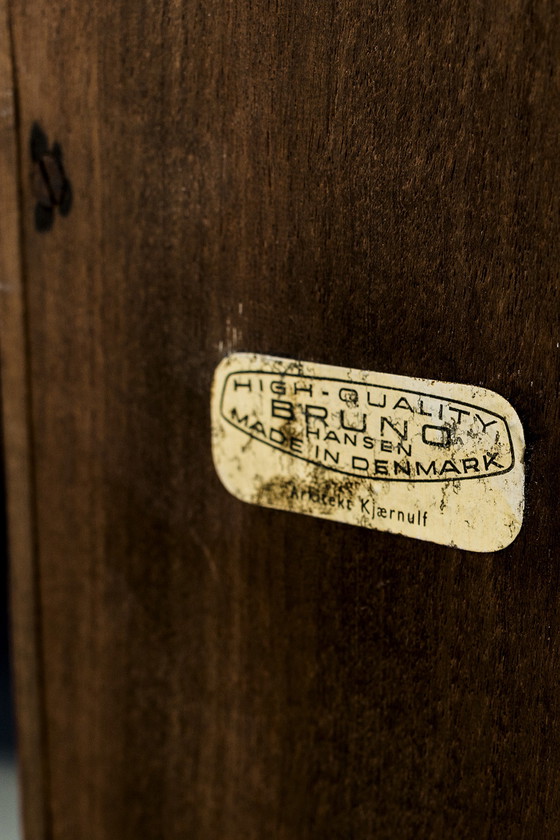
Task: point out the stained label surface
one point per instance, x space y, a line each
434 460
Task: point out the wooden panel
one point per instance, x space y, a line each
365 184
16 434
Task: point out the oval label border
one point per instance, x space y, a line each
478 511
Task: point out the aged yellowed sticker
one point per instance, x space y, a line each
438 461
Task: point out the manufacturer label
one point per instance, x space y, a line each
434 460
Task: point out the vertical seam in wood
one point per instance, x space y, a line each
20 470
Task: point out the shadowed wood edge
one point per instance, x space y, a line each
25 615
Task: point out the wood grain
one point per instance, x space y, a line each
364 184
16 430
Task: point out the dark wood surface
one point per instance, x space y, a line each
26 623
364 184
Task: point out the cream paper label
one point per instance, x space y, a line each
433 460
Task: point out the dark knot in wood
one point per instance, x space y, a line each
51 186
